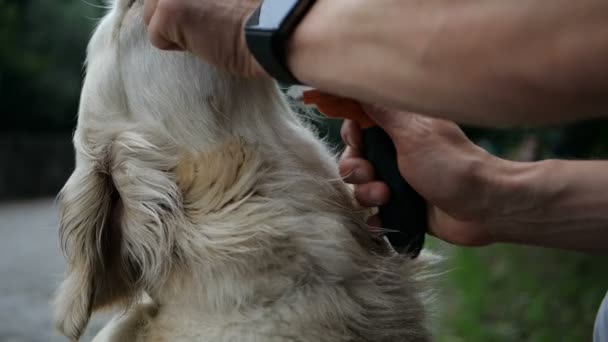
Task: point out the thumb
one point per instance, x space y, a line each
393 122
149 9
158 23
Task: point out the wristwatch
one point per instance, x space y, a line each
267 32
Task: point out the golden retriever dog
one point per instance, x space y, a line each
204 209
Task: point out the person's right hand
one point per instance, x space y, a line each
211 29
459 180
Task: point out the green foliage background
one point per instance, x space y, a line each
500 293
42 49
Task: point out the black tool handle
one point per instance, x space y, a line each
406 212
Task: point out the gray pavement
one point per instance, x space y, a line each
31 267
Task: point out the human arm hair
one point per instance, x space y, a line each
555 203
475 198
484 62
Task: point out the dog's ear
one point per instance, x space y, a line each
118 213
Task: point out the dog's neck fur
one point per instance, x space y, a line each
207 193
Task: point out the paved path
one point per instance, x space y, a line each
31 267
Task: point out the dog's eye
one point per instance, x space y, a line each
131 3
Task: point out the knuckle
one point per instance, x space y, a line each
344 131
170 11
345 169
156 37
362 196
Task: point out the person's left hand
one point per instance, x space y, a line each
211 29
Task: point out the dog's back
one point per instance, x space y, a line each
207 196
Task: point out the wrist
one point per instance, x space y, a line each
521 192
309 50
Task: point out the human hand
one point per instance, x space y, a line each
459 180
210 29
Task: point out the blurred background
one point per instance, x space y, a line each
499 293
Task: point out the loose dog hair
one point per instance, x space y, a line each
205 208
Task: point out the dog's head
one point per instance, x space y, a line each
142 110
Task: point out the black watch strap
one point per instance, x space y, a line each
268 31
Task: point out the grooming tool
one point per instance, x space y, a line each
405 216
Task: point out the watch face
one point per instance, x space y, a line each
271 14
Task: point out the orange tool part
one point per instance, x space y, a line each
337 107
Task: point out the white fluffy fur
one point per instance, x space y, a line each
205 194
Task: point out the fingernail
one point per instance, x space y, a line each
349 173
376 197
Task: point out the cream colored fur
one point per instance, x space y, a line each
204 208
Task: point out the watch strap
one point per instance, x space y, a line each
268 44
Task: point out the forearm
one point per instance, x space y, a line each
491 62
561 204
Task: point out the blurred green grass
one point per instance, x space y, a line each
518 293
514 293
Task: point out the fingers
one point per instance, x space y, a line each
149 9
356 170
353 167
351 134
161 16
209 29
372 194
